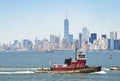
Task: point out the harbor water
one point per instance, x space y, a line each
20 66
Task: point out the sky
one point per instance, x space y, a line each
28 19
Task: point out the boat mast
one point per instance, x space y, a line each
76 50
75 53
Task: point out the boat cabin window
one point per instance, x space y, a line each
68 61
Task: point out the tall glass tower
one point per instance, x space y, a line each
113 37
66 28
80 40
93 37
85 34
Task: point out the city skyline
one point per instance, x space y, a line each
30 18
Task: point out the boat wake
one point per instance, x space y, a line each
103 71
100 72
106 69
21 69
17 70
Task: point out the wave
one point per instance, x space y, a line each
106 69
100 72
18 72
16 69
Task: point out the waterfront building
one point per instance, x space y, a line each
16 45
70 43
85 38
116 44
66 29
27 44
103 43
70 38
52 38
113 37
93 37
119 45
60 42
96 45
38 45
104 36
64 45
45 45
80 40
85 34
55 41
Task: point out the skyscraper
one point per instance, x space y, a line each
85 38
93 37
85 34
71 38
80 40
52 38
66 29
104 36
113 37
27 44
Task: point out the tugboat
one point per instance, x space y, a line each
71 66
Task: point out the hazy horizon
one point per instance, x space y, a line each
27 19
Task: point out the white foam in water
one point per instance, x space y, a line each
100 72
18 72
18 69
106 69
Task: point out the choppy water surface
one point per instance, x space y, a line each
19 66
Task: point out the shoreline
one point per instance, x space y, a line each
62 50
